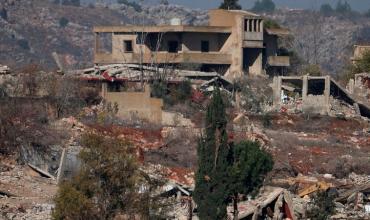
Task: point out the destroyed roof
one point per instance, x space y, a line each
278 31
268 196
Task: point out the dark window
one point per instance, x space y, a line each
173 46
128 45
205 46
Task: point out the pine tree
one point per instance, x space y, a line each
264 6
211 187
249 167
343 8
230 5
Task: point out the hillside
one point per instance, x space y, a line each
325 40
32 39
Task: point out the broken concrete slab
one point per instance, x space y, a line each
42 172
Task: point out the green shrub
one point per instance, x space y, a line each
133 4
71 204
323 207
264 6
23 43
266 120
326 10
268 23
183 91
174 94
312 70
367 14
4 14
63 22
159 89
108 184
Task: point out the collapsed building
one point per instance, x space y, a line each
233 43
315 94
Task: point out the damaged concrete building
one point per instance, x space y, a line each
235 42
314 94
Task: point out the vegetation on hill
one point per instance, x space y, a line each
264 6
323 206
109 184
359 66
211 186
230 5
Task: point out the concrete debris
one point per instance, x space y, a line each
272 202
42 172
4 69
28 196
326 97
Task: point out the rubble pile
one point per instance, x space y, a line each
24 194
340 108
4 69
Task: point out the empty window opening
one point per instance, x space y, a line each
316 87
173 46
127 45
205 46
246 25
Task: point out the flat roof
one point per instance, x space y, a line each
278 31
162 28
239 12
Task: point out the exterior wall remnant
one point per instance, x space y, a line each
312 103
135 104
359 51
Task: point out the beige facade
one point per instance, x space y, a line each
359 50
234 40
137 105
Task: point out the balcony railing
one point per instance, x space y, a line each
255 36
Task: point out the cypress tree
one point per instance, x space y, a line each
211 186
230 5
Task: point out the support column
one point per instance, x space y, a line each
104 90
327 93
262 25
277 81
61 166
304 87
252 21
248 25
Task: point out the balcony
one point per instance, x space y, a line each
253 36
278 61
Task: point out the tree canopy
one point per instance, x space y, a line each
326 9
248 169
343 7
108 185
264 6
230 5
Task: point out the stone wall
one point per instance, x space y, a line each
135 104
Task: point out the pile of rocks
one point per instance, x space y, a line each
4 69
